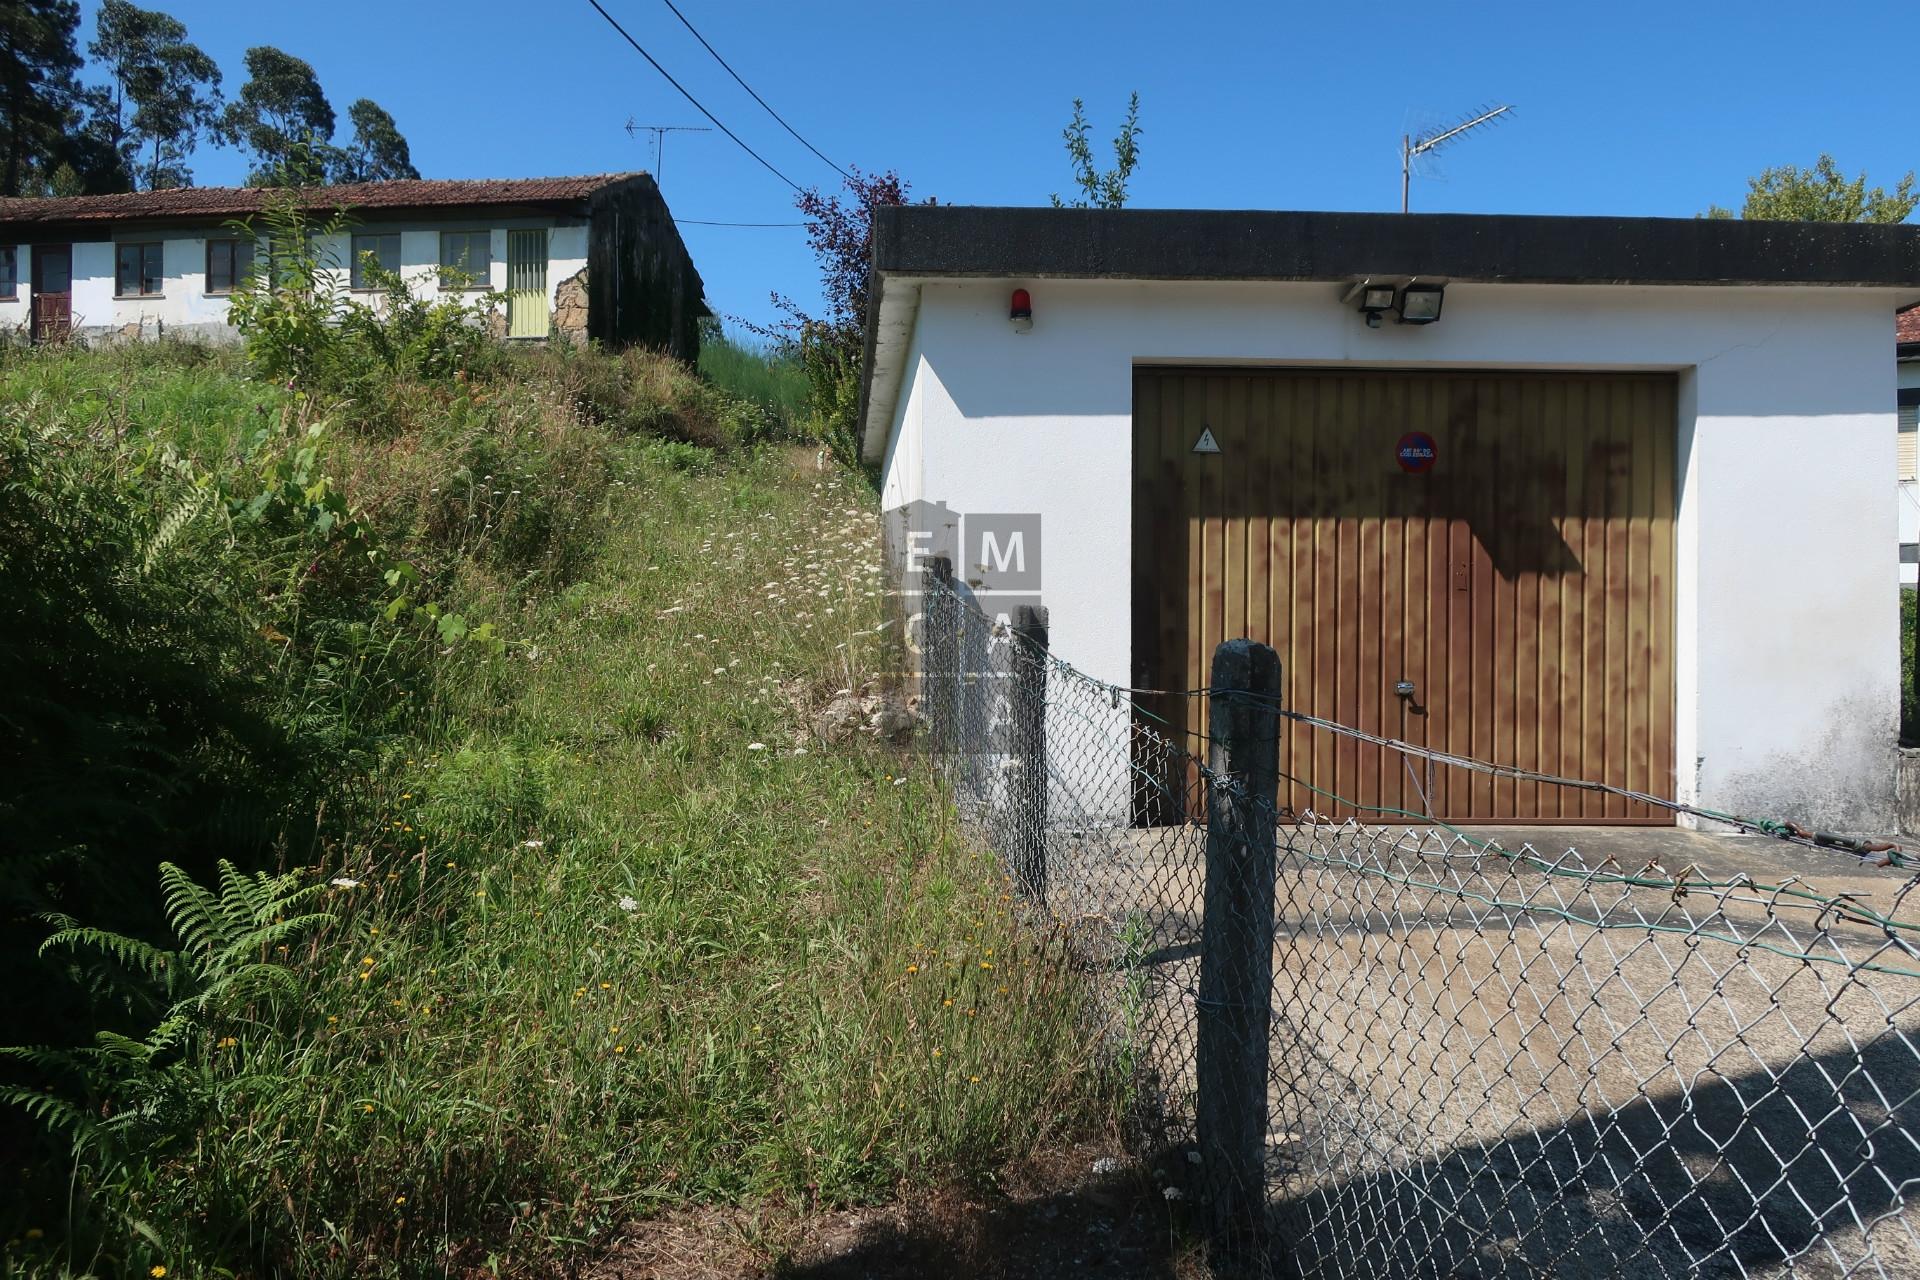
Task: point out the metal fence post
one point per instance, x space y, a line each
1236 941
1028 749
940 668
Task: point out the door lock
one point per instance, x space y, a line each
1404 689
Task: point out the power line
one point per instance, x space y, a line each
756 97
690 98
702 222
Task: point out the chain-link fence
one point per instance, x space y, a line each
1403 1051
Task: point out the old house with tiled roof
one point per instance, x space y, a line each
578 258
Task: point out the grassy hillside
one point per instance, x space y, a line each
509 670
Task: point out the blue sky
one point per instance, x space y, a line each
1625 108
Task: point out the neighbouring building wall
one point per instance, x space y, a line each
13 311
1786 647
641 284
184 308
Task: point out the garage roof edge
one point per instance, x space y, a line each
1221 244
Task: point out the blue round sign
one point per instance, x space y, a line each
1416 452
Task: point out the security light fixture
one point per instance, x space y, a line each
1020 312
1420 303
1375 300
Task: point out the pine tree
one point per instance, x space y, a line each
38 91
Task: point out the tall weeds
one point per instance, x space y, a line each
601 928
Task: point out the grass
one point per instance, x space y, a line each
758 374
614 934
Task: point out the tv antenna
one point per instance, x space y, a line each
1419 144
660 132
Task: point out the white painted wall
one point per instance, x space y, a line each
186 308
1786 655
14 313
1908 375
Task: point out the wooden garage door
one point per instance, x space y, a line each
1523 583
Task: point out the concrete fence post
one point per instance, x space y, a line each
940 665
1027 748
1236 943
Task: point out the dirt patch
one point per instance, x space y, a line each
1052 1218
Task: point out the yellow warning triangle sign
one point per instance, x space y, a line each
1206 443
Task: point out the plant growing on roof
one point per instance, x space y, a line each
1101 189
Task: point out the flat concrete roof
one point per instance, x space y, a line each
1223 244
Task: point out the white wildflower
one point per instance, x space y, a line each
344 882
533 844
756 746
628 904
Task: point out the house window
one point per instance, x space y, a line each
9 272
228 263
141 272
466 259
1910 434
384 250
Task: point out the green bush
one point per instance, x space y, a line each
1909 696
768 377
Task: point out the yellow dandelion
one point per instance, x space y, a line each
367 960
399 1199
156 1271
332 1018
973 1079
365 974
989 950
985 965
946 1004
369 1108
619 1048
227 1042
936 1053
376 929
606 986
913 968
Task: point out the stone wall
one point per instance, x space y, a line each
570 309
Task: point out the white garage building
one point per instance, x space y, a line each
1609 494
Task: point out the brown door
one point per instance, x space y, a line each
1502 542
52 291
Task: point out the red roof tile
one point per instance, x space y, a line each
228 202
1906 325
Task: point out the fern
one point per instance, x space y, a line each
197 502
126 1096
